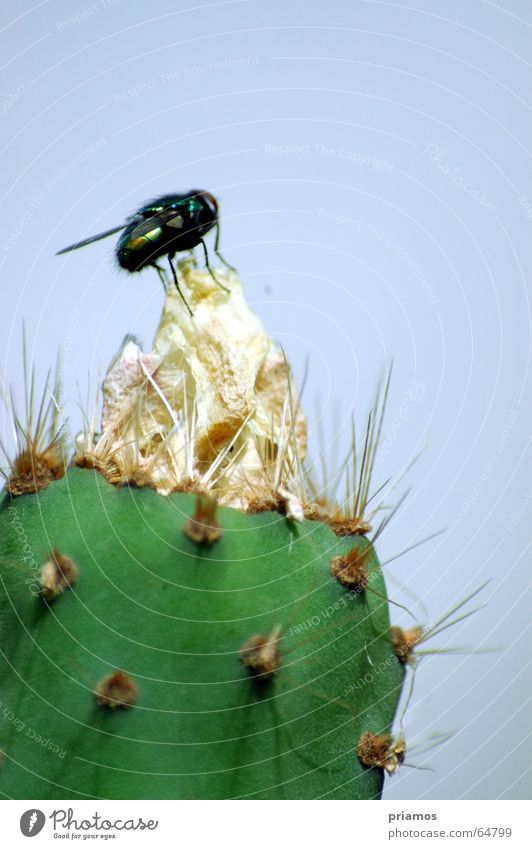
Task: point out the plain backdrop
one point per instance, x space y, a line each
371 163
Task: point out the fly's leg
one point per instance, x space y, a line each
209 269
217 250
162 277
177 285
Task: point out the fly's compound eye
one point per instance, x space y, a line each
211 200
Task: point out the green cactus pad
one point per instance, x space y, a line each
174 615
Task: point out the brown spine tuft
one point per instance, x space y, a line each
379 751
32 472
260 654
349 527
404 642
56 575
202 527
351 569
116 690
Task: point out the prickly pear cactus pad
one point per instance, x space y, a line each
183 613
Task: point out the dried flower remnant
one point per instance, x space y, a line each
202 410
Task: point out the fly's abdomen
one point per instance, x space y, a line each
140 245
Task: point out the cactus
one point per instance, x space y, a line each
183 613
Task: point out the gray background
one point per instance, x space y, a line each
371 162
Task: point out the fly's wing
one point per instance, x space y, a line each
152 224
91 239
159 208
